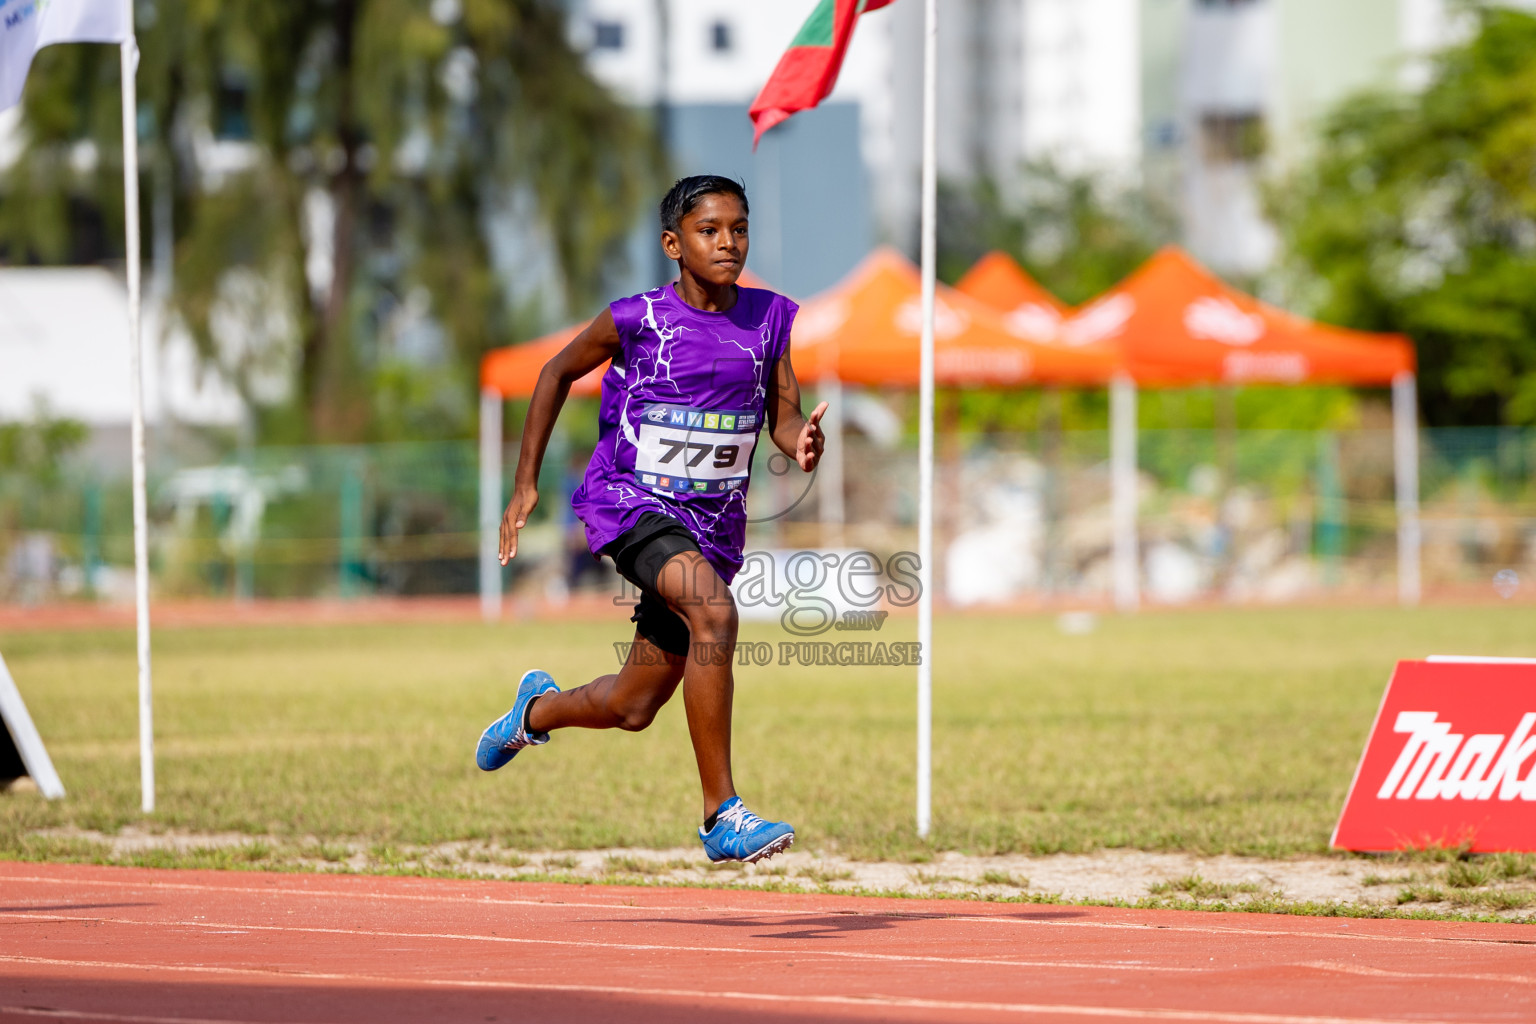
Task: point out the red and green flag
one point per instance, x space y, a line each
808 70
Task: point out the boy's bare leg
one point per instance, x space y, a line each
695 591
628 700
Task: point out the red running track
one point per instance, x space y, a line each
123 944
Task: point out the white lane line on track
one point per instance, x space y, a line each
1221 930
1331 966
797 952
1384 972
711 995
52 1013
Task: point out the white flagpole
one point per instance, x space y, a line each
925 435
129 52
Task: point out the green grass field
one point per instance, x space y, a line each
1207 731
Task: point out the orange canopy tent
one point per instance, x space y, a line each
513 371
999 281
1028 308
866 330
1175 323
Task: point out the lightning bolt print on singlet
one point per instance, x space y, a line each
682 409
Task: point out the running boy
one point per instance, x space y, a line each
698 367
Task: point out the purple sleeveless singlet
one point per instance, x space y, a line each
681 408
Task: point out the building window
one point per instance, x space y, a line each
1232 138
231 114
720 37
608 35
1163 134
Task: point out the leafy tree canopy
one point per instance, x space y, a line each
355 187
1077 234
33 452
1418 214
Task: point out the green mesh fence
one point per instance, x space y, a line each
1245 515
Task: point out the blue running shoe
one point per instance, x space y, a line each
741 835
506 736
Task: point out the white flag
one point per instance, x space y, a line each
27 26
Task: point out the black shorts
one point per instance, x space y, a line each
639 553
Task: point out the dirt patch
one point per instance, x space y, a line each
1502 886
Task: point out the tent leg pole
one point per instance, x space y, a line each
1405 458
925 414
1122 459
490 505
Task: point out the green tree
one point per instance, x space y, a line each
1077 234
345 177
1418 214
34 451
34 490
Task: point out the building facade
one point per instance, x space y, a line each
1233 91
1018 80
1197 100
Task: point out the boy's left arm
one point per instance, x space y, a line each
797 437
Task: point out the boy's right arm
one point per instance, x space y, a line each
590 349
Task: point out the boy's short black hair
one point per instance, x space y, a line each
686 194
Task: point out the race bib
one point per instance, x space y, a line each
703 451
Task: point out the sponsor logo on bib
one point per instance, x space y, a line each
696 451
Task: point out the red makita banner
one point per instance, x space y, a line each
1451 760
